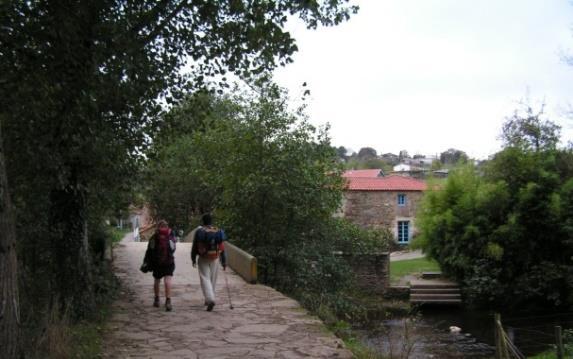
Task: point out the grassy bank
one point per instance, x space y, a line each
87 337
411 267
55 335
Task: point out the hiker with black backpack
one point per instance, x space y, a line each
208 245
160 259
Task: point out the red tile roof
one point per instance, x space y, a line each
362 173
389 183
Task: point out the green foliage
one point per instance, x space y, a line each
568 341
341 151
367 153
505 235
175 191
361 351
371 163
567 348
274 183
527 130
453 156
82 84
116 234
178 187
343 330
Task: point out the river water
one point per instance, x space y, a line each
428 334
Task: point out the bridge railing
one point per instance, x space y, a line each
241 262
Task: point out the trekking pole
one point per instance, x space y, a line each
228 290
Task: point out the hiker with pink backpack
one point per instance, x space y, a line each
159 258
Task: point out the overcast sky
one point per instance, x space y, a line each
428 75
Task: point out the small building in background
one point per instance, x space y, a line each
408 170
383 202
402 167
441 173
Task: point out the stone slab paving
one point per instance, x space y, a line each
406 255
263 324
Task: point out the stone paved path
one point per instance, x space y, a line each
406 255
263 324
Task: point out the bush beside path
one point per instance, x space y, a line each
263 324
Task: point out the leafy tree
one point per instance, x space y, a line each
367 158
506 234
453 156
367 153
528 130
175 189
79 95
403 155
272 173
436 165
341 151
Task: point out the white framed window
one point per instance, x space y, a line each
403 232
401 199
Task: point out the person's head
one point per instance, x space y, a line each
206 219
162 224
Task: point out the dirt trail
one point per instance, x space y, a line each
263 324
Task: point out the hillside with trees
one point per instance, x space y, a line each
368 158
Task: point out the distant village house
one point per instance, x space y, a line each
372 200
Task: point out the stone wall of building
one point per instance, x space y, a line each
379 209
372 271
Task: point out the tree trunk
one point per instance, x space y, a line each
9 299
72 258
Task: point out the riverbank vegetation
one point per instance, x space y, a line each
567 348
504 232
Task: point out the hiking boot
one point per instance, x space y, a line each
210 306
156 302
168 306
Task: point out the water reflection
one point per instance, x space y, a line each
428 334
422 337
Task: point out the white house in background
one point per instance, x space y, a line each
402 167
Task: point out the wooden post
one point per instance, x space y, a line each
498 335
559 342
511 334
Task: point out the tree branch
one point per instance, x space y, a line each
151 16
164 23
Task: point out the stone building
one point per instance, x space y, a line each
383 202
